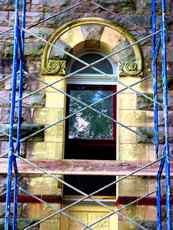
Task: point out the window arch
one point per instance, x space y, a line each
96 32
89 75
77 38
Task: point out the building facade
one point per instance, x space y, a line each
120 127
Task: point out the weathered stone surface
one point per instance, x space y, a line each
146 135
4 18
4 1
58 2
145 104
34 49
4 146
21 224
4 98
4 115
170 119
41 31
47 115
32 83
35 100
118 5
7 84
26 130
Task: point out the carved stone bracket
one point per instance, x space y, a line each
130 68
55 67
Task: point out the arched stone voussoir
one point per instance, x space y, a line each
97 34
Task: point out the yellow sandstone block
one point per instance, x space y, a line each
88 214
51 152
150 213
125 82
133 118
67 223
113 38
54 115
152 186
54 134
45 185
37 211
47 115
133 186
55 100
150 118
40 115
151 155
126 136
60 83
51 224
55 151
137 213
47 151
132 152
39 151
127 101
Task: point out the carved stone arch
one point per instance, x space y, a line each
87 33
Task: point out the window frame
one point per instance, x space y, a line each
112 88
96 85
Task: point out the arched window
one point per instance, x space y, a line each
91 76
91 134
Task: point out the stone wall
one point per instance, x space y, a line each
135 16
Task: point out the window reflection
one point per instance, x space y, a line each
88 124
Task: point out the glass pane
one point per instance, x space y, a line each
88 124
104 65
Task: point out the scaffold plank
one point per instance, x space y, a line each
85 167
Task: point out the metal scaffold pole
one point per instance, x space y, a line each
165 112
11 154
154 54
19 108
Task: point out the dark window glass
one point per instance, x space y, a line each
88 124
104 65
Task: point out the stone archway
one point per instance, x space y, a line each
84 33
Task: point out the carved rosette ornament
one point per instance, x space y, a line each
55 67
76 34
130 68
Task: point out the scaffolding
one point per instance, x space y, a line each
159 44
